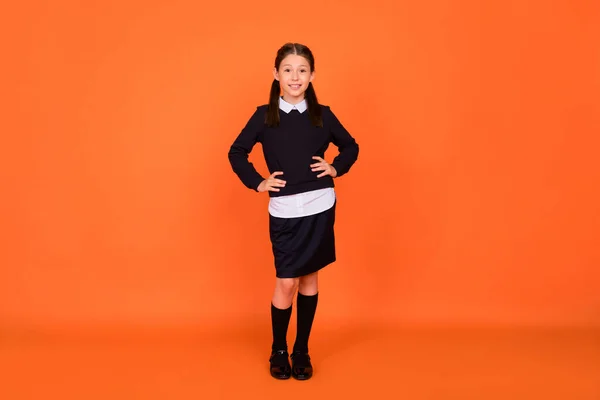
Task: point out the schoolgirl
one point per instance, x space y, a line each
295 131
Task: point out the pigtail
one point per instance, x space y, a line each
272 116
314 109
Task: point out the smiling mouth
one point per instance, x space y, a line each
295 86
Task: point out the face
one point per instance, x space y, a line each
294 75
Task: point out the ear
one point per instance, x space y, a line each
275 74
312 76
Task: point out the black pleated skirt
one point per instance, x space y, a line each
302 245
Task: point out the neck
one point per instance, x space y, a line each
293 100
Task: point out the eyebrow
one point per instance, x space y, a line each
290 65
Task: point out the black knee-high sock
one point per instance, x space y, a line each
306 307
280 320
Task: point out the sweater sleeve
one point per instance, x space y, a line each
241 148
348 148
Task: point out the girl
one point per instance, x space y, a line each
295 131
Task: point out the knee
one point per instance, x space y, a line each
289 286
308 285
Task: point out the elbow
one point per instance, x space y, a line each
233 156
235 152
355 150
232 150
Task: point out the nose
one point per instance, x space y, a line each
295 75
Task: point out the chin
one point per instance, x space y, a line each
296 93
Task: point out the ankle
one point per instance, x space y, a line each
300 349
279 347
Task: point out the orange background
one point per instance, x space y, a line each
475 199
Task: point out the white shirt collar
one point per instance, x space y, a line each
287 107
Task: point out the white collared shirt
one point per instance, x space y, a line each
301 204
287 107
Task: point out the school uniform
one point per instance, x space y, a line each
301 214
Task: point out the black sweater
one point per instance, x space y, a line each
290 147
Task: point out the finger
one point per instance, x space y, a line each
318 158
279 181
319 169
276 173
317 164
276 184
324 174
272 189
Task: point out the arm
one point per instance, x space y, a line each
348 148
241 148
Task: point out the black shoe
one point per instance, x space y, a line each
280 364
301 366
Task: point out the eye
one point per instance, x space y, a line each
286 70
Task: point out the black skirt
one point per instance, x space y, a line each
302 245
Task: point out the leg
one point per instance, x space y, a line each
307 305
285 289
281 310
308 294
308 285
